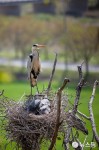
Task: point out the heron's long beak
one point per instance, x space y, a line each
40 46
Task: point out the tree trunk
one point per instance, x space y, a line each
97 5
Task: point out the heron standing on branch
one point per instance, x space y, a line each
33 65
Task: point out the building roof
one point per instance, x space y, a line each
11 2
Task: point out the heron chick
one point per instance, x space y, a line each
34 65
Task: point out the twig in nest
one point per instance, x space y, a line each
52 74
58 113
66 139
91 113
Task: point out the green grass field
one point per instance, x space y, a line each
16 90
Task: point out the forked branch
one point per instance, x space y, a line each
75 106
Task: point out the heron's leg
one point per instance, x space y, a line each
37 88
31 83
31 90
30 86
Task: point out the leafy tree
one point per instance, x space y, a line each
83 43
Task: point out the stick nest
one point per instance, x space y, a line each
27 129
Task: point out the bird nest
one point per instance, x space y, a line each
25 128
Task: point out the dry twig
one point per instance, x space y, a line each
91 113
52 74
83 115
1 93
78 89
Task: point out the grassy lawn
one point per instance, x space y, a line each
15 91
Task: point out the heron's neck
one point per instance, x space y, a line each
35 53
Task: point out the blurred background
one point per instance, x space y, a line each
68 27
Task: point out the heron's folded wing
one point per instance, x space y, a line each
29 66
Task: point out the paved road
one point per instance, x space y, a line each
47 64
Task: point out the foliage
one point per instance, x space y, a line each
6 77
79 39
82 41
22 32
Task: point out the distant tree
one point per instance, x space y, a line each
97 3
4 23
26 30
84 44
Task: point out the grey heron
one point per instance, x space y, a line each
34 65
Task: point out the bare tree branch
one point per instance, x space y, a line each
75 106
91 113
1 92
52 74
78 89
83 115
80 71
59 93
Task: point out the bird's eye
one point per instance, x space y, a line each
34 45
